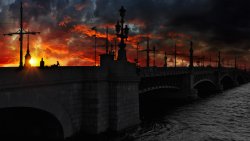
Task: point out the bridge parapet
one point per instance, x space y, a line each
157 71
13 77
186 79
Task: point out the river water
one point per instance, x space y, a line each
222 117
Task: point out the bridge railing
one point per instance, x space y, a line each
163 71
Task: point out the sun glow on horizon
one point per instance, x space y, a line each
33 62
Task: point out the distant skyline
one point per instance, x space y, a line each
66 34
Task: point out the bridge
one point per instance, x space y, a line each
69 100
60 102
75 100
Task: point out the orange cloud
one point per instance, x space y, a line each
175 35
66 20
80 7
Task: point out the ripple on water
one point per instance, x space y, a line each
224 117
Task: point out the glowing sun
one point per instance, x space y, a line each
32 62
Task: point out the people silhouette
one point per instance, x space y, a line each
42 63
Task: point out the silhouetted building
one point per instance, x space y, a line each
27 56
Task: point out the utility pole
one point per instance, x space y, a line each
95 29
154 55
219 60
95 47
203 61
235 62
210 60
115 55
175 54
21 32
107 40
148 50
165 60
191 55
137 54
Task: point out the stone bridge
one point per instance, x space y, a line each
191 83
66 101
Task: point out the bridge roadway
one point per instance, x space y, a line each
75 100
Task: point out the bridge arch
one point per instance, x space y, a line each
152 98
31 123
38 103
203 80
205 87
227 82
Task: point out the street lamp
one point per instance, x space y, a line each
95 29
122 33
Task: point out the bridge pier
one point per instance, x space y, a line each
123 93
219 86
236 83
235 77
193 94
188 87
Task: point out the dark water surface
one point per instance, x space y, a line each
223 117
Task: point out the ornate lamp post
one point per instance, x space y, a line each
122 33
175 54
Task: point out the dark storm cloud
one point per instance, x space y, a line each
216 20
219 24
227 20
153 12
